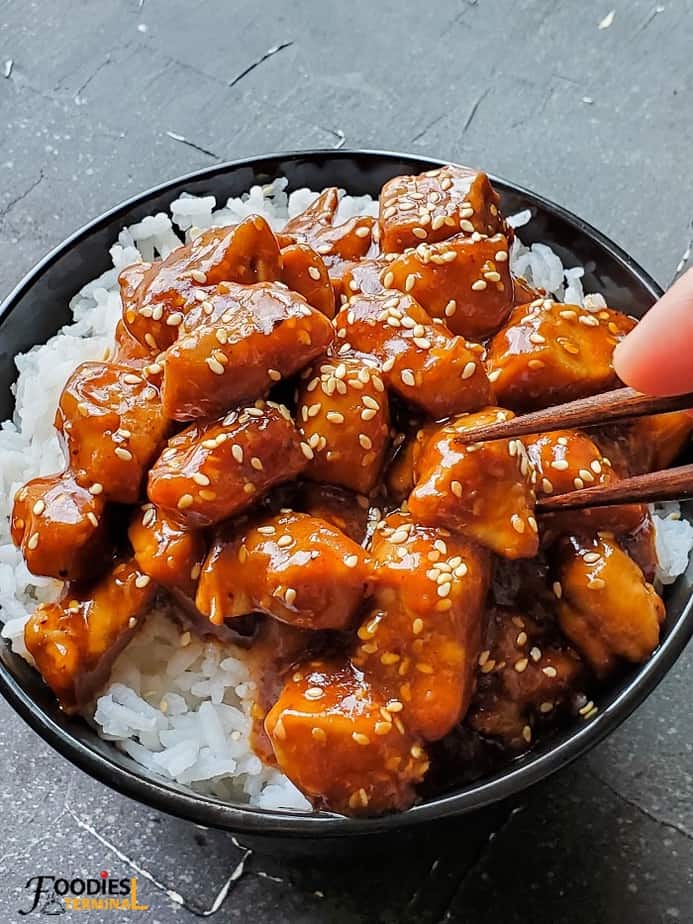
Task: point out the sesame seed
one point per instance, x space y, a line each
596 466
317 733
93 519
586 708
314 272
351 561
307 451
479 285
314 693
38 507
33 541
142 580
527 733
360 738
591 558
214 365
469 370
518 524
399 536
365 441
256 463
131 379
521 639
488 666
266 530
407 377
96 488
335 417
237 452
456 488
284 542
200 478
535 653
546 485
549 671
495 375
560 465
536 338
388 279
557 589
185 501
569 347
501 256
274 374
290 596
368 414
444 589
492 276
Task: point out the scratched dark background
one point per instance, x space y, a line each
102 98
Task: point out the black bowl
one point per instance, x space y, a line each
37 308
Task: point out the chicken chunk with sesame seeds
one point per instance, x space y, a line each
549 353
304 271
213 470
465 281
339 245
342 508
422 362
168 553
482 490
343 412
420 640
157 296
606 609
364 277
646 444
61 528
436 205
127 351
242 342
112 427
335 737
75 640
568 460
294 567
526 675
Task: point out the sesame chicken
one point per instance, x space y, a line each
339 245
294 567
343 412
75 640
215 470
549 352
420 639
464 281
271 456
235 346
112 427
171 555
421 361
342 743
60 527
436 205
304 271
482 490
527 674
607 609
156 296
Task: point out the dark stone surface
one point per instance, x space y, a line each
596 119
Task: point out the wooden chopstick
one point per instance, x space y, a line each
621 404
670 484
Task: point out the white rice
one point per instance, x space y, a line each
178 706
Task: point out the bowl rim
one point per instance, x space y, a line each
208 811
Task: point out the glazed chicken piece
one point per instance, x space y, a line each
342 744
526 673
294 567
568 460
112 427
420 640
75 641
463 280
606 607
339 507
304 271
157 296
130 352
171 555
338 245
343 412
436 205
422 362
214 470
482 490
240 343
364 277
647 444
549 353
60 528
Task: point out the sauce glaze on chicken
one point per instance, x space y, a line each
273 443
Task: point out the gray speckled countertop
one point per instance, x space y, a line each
599 120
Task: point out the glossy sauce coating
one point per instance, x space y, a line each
420 639
340 507
606 608
295 567
304 271
75 640
482 490
343 412
171 555
112 427
60 528
156 296
421 362
212 471
341 743
236 345
465 281
435 205
549 353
